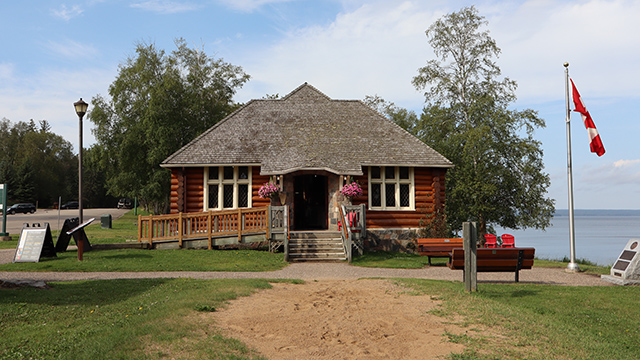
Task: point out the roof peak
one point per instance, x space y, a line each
306 92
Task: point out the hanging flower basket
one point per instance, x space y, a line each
270 190
351 190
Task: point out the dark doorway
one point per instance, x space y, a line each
310 202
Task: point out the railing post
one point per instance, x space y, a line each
139 228
150 231
285 221
209 228
180 229
363 220
269 222
240 225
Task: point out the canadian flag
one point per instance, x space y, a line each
594 137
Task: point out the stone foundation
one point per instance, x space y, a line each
395 240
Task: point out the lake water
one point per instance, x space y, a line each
600 235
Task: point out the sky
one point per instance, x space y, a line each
54 52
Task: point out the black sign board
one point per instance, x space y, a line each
71 228
34 244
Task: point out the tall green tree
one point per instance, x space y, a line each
37 165
158 103
499 176
407 119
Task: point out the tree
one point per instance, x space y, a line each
159 102
36 164
498 176
405 118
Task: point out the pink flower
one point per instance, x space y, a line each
351 190
269 190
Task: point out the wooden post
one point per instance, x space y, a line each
150 231
269 222
470 239
285 223
240 223
180 230
209 228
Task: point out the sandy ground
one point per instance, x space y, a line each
339 319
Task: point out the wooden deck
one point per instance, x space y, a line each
211 225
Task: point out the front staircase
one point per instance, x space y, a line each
316 246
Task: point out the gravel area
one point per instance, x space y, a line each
318 271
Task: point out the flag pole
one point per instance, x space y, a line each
573 266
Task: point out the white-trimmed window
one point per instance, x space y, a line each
391 188
227 187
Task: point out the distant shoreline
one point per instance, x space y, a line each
594 212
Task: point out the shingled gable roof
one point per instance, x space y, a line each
306 130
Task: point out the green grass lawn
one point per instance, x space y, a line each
164 318
123 229
120 319
156 260
523 321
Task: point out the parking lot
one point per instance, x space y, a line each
56 218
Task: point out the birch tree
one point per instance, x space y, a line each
499 176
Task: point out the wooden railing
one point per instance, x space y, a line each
353 218
209 225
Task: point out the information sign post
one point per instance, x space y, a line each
3 208
81 237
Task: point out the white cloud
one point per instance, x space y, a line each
67 13
6 71
624 163
598 39
248 5
375 49
621 172
71 49
49 95
165 6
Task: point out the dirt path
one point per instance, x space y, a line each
338 319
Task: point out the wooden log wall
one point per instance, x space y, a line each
187 189
257 181
429 193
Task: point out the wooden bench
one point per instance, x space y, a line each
496 260
437 247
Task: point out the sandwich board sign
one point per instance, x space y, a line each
34 243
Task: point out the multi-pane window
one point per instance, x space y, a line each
391 188
227 187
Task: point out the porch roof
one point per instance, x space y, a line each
306 130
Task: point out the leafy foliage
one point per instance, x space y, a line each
37 165
498 176
158 103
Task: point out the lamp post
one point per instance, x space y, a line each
81 109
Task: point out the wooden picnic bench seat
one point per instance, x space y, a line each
437 247
496 260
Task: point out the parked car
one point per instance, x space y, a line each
70 205
124 203
21 208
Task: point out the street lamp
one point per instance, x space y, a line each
81 109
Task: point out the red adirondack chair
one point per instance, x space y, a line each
490 241
508 241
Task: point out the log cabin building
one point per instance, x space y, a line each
312 145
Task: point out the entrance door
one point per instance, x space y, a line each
310 202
